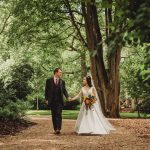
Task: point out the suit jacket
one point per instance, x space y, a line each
49 90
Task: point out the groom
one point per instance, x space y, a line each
54 91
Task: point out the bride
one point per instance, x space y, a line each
90 119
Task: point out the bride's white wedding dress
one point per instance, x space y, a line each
92 121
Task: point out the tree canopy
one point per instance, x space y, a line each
107 39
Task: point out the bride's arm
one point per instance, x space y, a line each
77 96
94 91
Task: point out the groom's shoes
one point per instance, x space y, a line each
57 132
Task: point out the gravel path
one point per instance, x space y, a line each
131 134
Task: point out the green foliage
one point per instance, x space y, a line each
21 75
13 110
130 25
39 22
40 31
38 102
138 27
145 106
135 74
14 91
144 74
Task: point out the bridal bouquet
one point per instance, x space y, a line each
89 101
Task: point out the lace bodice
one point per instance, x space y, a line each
87 92
84 92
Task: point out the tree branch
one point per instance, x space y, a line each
73 48
74 22
5 22
74 11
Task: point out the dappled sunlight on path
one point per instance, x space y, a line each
41 137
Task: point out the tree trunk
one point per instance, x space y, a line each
94 43
83 64
133 105
114 68
107 85
114 86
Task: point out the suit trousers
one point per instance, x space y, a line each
56 110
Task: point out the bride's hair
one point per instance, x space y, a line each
89 81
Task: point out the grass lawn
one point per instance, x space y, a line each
72 114
67 114
133 115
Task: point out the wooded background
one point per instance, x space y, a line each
107 38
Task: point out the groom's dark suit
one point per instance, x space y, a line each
54 95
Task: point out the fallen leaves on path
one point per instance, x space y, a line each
130 134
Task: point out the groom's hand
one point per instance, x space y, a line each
69 98
46 101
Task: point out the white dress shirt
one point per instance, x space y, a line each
56 80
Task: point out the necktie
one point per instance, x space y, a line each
56 81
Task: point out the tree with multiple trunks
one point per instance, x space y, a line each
118 18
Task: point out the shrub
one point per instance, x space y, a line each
13 93
145 106
73 105
13 110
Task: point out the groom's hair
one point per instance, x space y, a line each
56 70
89 81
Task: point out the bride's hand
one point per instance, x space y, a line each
69 99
